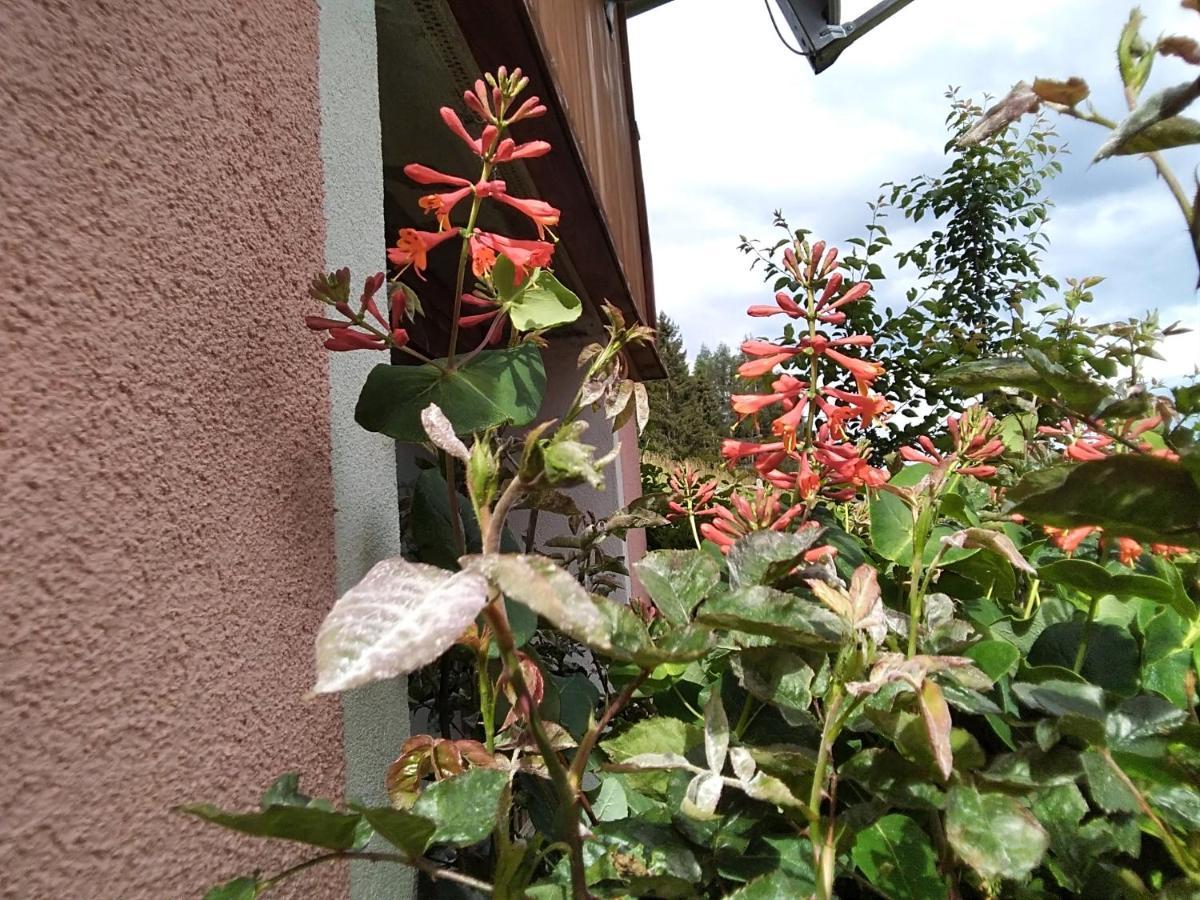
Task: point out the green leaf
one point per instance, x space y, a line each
401 616
497 387
610 804
891 527
994 658
238 889
892 778
543 303
1176 131
650 859
677 580
764 557
993 833
1063 698
1106 789
606 626
1137 724
984 375
1134 58
305 824
463 808
432 532
1078 391
775 675
577 698
785 617
1096 581
773 886
1156 108
1110 661
409 833
660 735
898 858
1146 498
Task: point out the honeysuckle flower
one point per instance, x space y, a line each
413 246
1128 550
510 151
769 356
846 463
784 304
689 496
353 332
479 146
864 407
524 255
734 450
540 212
763 512
1068 539
860 606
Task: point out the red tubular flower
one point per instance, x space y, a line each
1068 539
770 355
1128 550
510 151
786 387
689 496
734 450
524 255
454 123
865 407
530 109
784 304
763 512
347 338
413 246
540 212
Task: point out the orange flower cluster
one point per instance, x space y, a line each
974 436
811 453
1095 441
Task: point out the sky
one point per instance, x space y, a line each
734 126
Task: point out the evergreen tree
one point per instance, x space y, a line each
688 411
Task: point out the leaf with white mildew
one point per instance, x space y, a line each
400 617
441 432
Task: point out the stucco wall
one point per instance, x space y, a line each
166 548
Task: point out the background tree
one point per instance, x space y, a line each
688 410
976 269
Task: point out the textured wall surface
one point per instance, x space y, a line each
166 542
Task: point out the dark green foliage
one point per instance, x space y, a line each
975 270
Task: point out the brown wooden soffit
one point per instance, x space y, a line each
502 32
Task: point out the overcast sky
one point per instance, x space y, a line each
734 126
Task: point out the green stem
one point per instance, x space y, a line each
1032 599
487 697
1081 653
915 567
822 850
1178 853
745 718
584 751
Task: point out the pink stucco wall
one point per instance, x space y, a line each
166 537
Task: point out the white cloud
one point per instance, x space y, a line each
734 126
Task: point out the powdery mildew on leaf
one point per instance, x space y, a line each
400 617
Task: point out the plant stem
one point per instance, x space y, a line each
579 763
487 698
498 619
1081 653
823 851
558 774
1178 854
915 597
745 718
